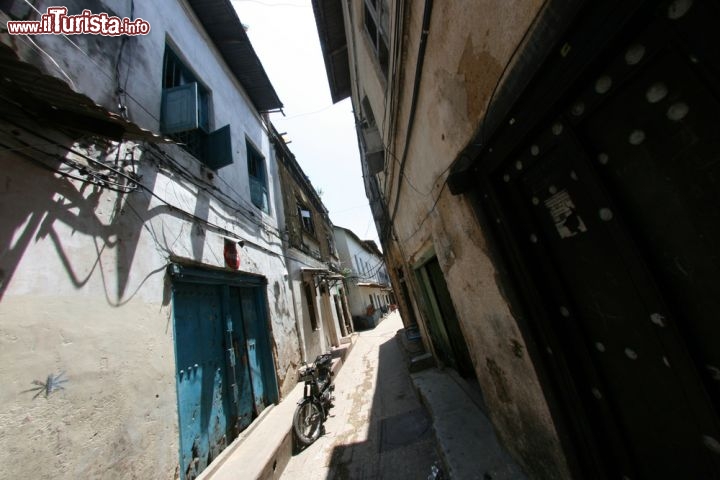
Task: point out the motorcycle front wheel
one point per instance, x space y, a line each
307 422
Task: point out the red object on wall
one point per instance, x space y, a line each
231 254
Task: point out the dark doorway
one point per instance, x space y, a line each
443 324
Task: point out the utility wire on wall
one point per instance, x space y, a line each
117 187
157 153
100 68
490 104
246 212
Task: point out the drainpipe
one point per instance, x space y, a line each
416 87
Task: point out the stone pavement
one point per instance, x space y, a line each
466 437
378 428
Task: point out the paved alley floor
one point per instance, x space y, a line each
378 427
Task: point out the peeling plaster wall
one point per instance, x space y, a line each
83 285
61 311
300 246
468 45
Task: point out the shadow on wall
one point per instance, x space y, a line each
38 202
40 205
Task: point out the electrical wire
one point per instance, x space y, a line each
194 218
120 90
309 113
424 34
103 165
488 108
373 271
101 183
89 159
100 68
110 185
248 214
173 164
407 179
432 209
396 78
50 57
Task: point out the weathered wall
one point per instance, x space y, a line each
314 340
293 189
62 311
85 292
84 288
468 45
305 250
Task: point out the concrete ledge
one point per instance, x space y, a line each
220 459
465 436
339 354
264 449
421 362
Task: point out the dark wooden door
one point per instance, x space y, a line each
630 362
615 208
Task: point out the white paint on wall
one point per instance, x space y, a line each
84 286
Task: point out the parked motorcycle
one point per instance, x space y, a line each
312 410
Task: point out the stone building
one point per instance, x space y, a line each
145 315
543 175
314 275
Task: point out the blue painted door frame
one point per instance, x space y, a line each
224 365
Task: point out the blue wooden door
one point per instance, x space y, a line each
201 369
224 366
255 341
239 369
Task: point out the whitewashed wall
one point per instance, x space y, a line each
351 252
84 287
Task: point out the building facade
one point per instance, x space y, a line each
316 283
542 175
145 314
368 284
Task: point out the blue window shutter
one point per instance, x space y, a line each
180 109
218 152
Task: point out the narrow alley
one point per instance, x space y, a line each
378 427
497 221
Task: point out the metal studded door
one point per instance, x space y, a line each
634 374
613 208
